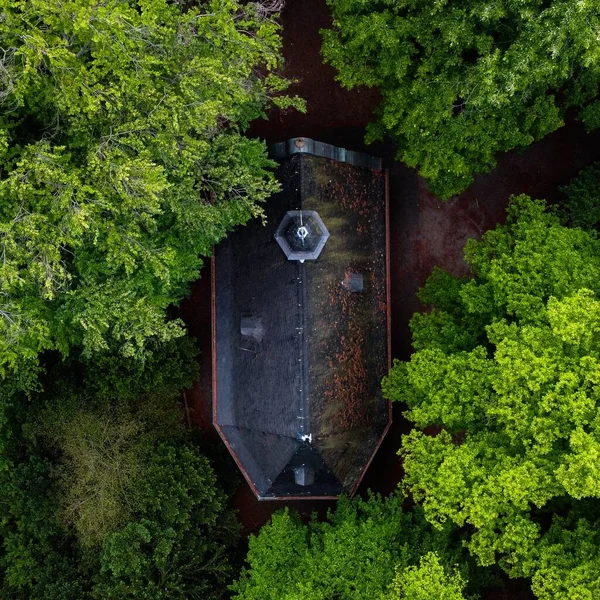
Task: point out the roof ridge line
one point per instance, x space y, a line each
304 408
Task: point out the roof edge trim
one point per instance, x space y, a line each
303 145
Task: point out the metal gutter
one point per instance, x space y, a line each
302 145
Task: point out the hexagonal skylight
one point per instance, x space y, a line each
302 235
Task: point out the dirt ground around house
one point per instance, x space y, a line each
424 231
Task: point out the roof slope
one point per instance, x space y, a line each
305 393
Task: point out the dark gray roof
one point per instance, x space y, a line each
298 357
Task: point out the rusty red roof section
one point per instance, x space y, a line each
300 406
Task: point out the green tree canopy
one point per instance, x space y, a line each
104 495
122 162
507 364
367 550
176 541
581 206
37 557
179 541
427 581
463 80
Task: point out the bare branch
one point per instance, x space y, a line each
269 7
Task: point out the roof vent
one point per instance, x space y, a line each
304 475
302 235
252 327
353 282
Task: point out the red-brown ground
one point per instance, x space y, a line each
424 231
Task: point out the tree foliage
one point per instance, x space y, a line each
581 206
176 541
366 550
427 581
569 557
37 557
176 545
515 393
461 81
104 494
122 161
103 450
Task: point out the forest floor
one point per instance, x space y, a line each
424 230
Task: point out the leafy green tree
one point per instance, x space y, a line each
178 542
102 463
99 431
104 494
366 550
38 559
461 81
428 581
569 557
581 206
122 161
507 368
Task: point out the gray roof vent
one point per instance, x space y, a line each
353 282
302 235
304 475
252 327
